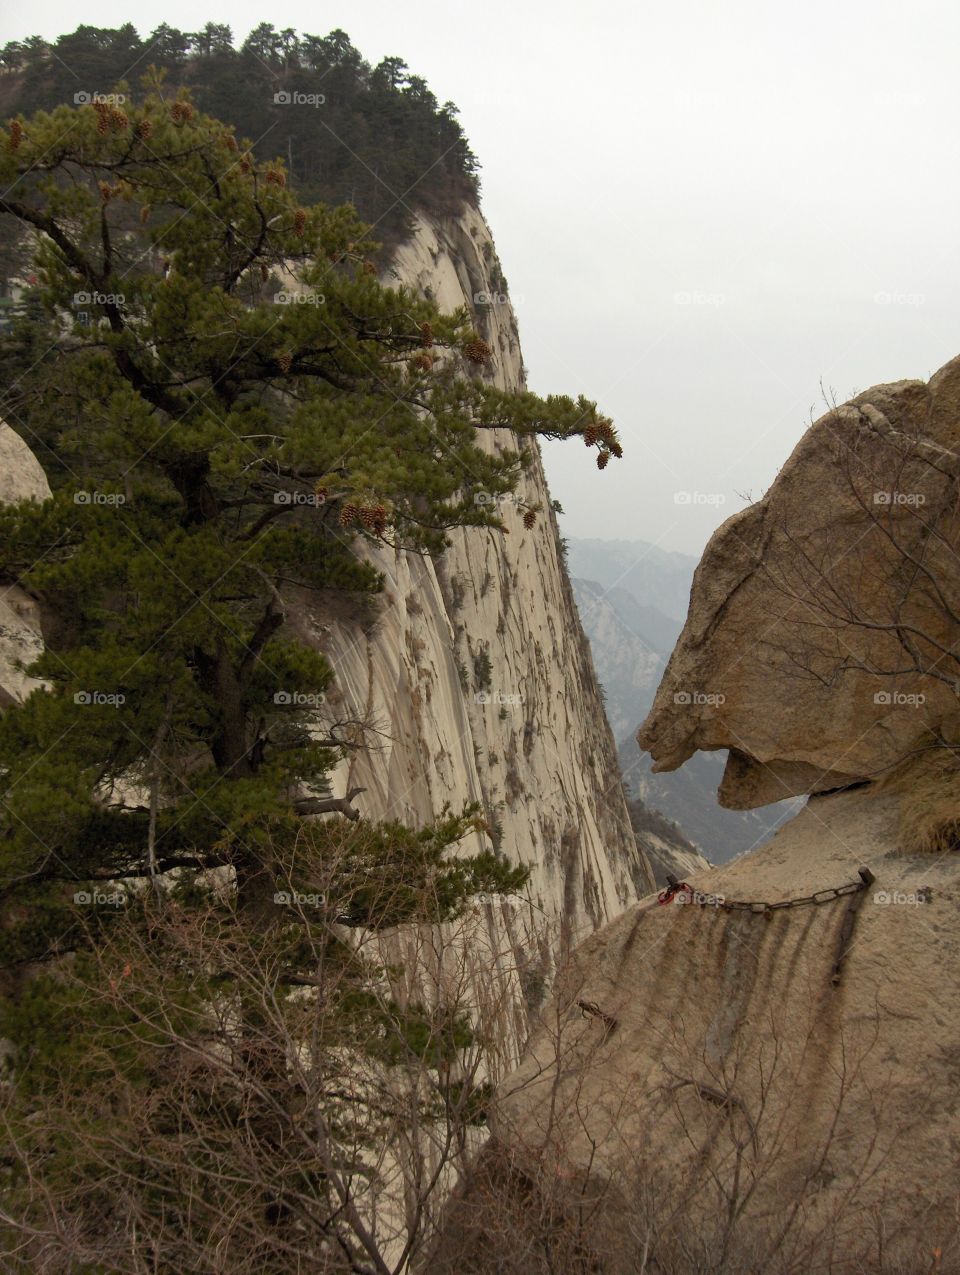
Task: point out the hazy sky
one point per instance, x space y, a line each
703 211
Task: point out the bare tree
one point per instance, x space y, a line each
286 1097
694 1139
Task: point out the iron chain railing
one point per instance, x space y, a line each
676 888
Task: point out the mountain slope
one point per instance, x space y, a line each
630 665
655 577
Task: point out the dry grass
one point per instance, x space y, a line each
928 783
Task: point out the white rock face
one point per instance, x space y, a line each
21 478
531 742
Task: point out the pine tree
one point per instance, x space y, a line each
189 402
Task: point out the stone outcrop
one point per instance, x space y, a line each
728 1086
760 1075
813 609
21 475
476 671
21 478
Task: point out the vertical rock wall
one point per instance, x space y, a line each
529 738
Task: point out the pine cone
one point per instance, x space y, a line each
16 135
478 351
145 212
145 129
230 141
285 361
616 448
348 513
246 164
181 112
529 518
119 120
264 272
321 494
106 192
590 435
103 119
369 268
422 361
426 335
275 178
299 222
603 459
374 518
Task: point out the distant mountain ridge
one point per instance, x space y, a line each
658 579
632 609
631 664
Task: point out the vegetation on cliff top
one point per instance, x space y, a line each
375 137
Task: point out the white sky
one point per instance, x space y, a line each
791 170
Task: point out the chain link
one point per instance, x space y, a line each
827 895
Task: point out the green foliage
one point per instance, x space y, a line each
390 874
482 669
216 455
218 448
378 139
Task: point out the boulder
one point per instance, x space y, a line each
838 596
759 1072
21 475
721 1089
21 478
